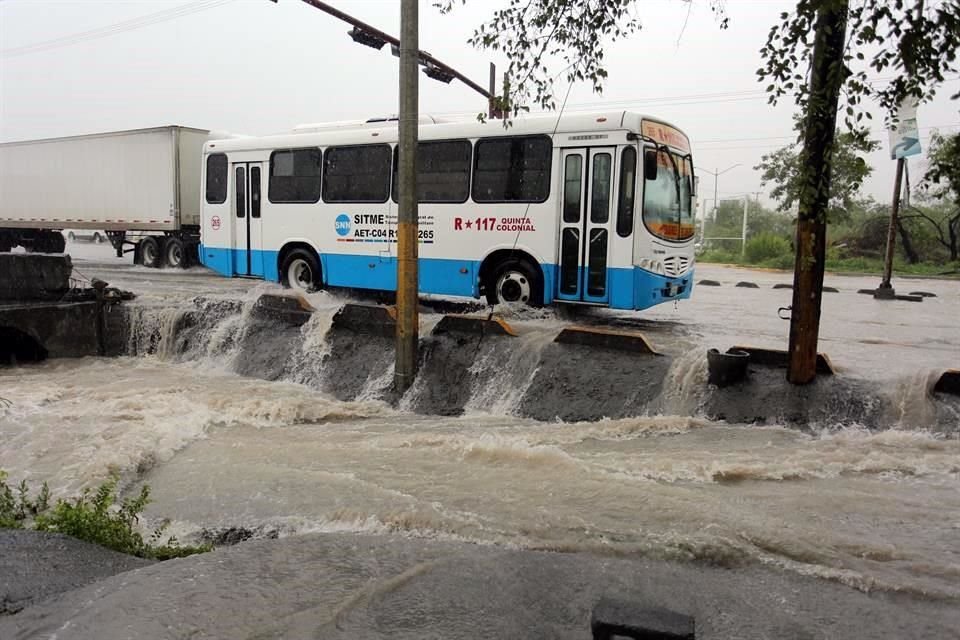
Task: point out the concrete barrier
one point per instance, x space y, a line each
376 320
479 325
620 619
783 286
781 358
292 309
32 276
949 382
69 330
708 283
747 285
619 340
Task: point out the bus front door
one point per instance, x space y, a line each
248 237
585 220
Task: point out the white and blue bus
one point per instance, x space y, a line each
586 208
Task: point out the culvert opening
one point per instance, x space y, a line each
17 346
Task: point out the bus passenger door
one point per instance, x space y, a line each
585 225
248 236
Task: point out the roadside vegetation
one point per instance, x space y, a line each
94 517
928 232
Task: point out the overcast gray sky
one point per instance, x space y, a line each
252 66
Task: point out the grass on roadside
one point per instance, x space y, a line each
93 516
838 265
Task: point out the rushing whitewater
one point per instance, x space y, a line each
873 509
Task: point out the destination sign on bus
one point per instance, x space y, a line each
665 134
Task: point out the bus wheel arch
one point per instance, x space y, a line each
299 267
513 277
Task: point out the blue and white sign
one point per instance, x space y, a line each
905 137
342 224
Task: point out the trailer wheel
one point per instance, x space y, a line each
300 270
176 253
49 242
150 252
57 243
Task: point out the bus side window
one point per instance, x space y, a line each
443 171
216 178
512 169
295 175
357 173
628 182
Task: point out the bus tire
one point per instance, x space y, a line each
300 270
151 253
515 281
175 253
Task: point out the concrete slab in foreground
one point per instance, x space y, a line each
348 586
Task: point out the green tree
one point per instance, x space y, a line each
942 182
782 169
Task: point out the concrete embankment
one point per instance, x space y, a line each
477 363
44 315
384 586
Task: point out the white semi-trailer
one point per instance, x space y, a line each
142 187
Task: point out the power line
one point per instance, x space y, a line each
114 29
773 144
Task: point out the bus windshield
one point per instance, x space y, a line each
667 196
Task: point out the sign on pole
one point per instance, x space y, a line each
905 137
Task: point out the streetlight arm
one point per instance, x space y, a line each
380 35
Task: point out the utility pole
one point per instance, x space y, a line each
408 322
820 122
743 234
886 291
716 175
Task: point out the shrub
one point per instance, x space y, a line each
94 518
766 246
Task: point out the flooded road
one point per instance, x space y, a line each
875 510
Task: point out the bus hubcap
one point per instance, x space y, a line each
513 286
299 275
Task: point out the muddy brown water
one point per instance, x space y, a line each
875 510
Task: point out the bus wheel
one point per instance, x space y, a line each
300 271
175 253
150 254
515 282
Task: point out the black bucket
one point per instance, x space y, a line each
727 368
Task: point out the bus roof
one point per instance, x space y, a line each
386 131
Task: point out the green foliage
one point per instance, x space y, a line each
572 35
942 178
917 42
784 170
93 517
15 510
767 246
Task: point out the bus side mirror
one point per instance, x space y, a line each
650 165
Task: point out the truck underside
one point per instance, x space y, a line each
176 249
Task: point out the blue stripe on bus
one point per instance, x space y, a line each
629 287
